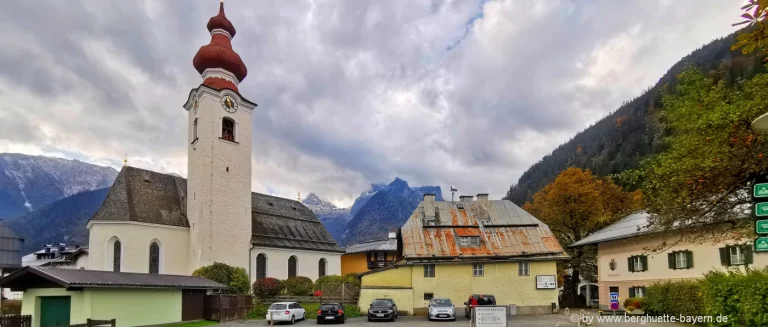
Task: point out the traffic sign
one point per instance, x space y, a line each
760 190
615 297
761 244
614 306
761 226
761 209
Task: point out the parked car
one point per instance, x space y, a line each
382 309
331 312
482 299
441 309
285 311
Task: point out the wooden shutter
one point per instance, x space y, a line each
725 257
671 259
631 292
644 260
689 256
747 250
631 264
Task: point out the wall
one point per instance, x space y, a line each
79 307
706 257
135 239
82 262
394 284
353 263
136 307
307 264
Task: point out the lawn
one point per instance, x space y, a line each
197 324
260 310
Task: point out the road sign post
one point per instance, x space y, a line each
614 301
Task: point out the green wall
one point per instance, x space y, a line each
31 304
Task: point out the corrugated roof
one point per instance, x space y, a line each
151 197
506 231
10 247
27 276
629 226
381 245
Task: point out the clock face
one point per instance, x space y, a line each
229 104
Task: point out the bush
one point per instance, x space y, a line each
739 296
636 302
328 279
265 288
674 298
235 278
298 286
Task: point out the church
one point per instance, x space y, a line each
164 224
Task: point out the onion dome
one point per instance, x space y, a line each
218 54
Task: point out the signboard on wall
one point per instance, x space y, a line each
490 316
546 282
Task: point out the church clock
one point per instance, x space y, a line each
228 103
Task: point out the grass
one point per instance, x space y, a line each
198 324
259 311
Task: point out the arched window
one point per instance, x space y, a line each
117 252
321 267
228 129
292 263
154 258
261 266
194 130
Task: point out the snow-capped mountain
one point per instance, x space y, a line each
28 182
333 218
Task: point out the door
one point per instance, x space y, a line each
192 304
54 311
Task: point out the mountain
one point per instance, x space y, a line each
28 183
620 140
333 218
61 221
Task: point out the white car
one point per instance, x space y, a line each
285 311
441 309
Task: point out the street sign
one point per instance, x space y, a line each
614 297
548 281
760 190
761 226
614 306
761 209
490 316
761 244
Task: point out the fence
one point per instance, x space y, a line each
95 323
226 307
16 321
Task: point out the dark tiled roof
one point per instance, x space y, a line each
29 276
146 196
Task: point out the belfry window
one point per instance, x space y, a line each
228 129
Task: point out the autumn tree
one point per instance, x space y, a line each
756 36
575 205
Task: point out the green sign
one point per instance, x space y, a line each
761 226
761 244
761 209
760 190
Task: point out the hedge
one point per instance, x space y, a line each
266 288
675 298
235 278
742 297
349 279
298 286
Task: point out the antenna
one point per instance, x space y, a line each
453 190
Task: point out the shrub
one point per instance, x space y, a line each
674 298
739 296
328 279
298 286
630 308
636 302
235 278
265 288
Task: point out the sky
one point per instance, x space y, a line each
464 93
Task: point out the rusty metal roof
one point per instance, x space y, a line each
505 231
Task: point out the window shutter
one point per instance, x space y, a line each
689 256
747 249
630 264
631 292
725 258
671 259
644 260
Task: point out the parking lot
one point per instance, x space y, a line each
553 320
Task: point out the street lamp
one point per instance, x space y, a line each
761 123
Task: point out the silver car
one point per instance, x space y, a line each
441 309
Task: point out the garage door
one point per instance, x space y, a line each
54 311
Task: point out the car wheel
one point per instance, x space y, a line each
293 320
319 322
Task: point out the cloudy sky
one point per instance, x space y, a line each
467 93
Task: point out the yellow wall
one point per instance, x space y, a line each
455 281
78 313
355 263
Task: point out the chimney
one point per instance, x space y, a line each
466 198
429 209
48 248
429 198
482 197
392 235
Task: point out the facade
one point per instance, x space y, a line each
58 256
626 266
10 257
164 224
363 257
455 249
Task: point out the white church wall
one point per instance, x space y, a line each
307 266
135 239
82 262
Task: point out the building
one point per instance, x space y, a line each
10 255
62 297
370 255
164 224
625 264
59 256
455 249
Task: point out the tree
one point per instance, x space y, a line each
575 205
756 36
235 278
712 156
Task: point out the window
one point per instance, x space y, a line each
735 255
17 295
524 268
194 130
154 258
680 259
321 267
380 256
428 296
637 291
228 129
468 241
261 266
116 253
638 263
478 270
429 270
292 263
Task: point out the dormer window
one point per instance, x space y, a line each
228 129
469 241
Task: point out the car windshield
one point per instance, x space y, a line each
382 303
486 300
440 303
276 306
329 307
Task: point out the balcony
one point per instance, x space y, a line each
376 264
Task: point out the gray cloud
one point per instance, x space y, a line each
464 93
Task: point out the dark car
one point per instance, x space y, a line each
482 299
382 309
331 312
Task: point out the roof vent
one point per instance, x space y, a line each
460 205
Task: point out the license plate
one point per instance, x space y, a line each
442 316
328 317
379 315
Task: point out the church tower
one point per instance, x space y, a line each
219 168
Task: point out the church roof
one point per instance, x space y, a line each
146 196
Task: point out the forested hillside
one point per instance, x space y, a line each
620 140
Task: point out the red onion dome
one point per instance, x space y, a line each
221 21
219 53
